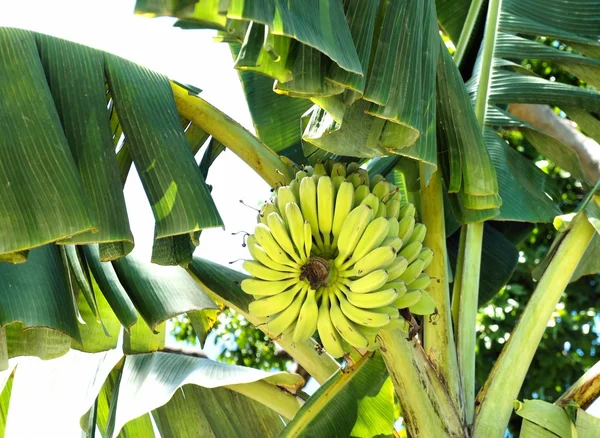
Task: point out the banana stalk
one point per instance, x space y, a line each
583 392
495 399
438 334
427 409
255 153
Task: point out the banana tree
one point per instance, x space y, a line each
378 144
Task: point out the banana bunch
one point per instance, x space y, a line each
337 253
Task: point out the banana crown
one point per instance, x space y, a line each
340 254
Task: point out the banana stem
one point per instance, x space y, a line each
495 399
438 333
255 153
467 311
427 408
281 401
583 392
467 31
319 365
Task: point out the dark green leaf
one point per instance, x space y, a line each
160 292
41 195
87 127
178 195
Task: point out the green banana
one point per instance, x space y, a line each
381 211
352 168
427 256
392 208
344 203
381 189
407 211
376 179
285 195
369 282
296 226
371 300
267 241
260 271
397 268
372 201
412 272
320 169
374 234
258 253
327 332
377 258
421 282
301 174
356 180
360 193
308 205
393 242
277 324
344 326
411 252
405 227
408 299
307 318
281 236
266 209
338 169
425 306
307 238
418 234
393 227
352 230
368 318
325 207
398 286
364 175
273 304
253 286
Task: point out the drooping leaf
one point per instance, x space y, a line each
41 196
41 281
5 394
139 392
551 419
109 285
335 408
528 195
202 322
194 411
499 259
180 200
87 129
141 339
159 292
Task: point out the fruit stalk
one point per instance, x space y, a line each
427 408
438 334
495 399
262 159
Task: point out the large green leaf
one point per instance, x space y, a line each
353 402
194 411
452 15
276 118
180 200
160 292
103 274
537 197
86 126
499 259
140 392
36 294
318 24
549 420
41 194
